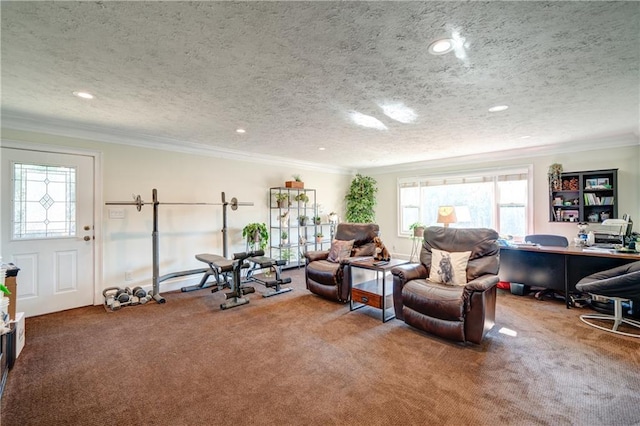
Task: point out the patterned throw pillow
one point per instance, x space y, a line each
449 268
340 249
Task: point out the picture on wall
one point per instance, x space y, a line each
590 183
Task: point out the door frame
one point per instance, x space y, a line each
98 202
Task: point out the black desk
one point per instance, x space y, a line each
556 268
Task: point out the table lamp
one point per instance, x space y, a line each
446 215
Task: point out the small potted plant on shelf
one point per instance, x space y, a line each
302 220
295 183
284 238
418 229
302 198
257 235
317 220
286 254
319 237
282 199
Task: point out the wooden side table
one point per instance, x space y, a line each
372 292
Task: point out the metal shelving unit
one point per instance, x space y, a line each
284 217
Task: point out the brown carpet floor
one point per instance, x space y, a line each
297 359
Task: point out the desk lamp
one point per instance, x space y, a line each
446 215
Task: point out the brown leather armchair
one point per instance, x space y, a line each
327 279
464 313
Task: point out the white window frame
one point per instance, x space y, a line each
460 176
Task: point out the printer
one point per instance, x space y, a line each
612 231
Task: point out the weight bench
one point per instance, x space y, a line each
219 267
227 274
262 262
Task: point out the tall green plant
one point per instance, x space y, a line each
361 199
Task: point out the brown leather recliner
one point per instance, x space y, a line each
464 313
326 278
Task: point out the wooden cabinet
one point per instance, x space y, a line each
590 196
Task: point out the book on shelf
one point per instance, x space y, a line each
590 199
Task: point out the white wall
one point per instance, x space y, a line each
625 159
188 230
184 230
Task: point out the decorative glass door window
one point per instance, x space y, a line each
44 202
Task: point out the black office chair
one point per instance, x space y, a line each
549 241
621 284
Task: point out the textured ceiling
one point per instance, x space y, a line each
292 73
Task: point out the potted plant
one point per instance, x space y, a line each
284 238
302 198
5 291
361 199
281 199
317 220
295 183
286 254
319 237
418 229
302 220
256 234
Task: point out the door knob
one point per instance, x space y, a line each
87 238
87 228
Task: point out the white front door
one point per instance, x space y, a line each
47 228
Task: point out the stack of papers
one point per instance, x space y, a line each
598 249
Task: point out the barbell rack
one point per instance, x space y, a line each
139 203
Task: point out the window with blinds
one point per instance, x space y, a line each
498 199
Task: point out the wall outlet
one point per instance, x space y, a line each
128 276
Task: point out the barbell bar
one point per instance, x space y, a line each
139 202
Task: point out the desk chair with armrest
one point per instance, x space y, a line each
549 241
621 284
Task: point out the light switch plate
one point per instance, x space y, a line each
116 213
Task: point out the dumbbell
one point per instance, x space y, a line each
139 292
145 299
122 295
109 294
115 305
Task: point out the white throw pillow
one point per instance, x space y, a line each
449 268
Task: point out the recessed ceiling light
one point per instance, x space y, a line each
498 108
367 121
83 95
440 47
525 137
399 112
241 131
322 148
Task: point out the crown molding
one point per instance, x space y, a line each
618 141
77 130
